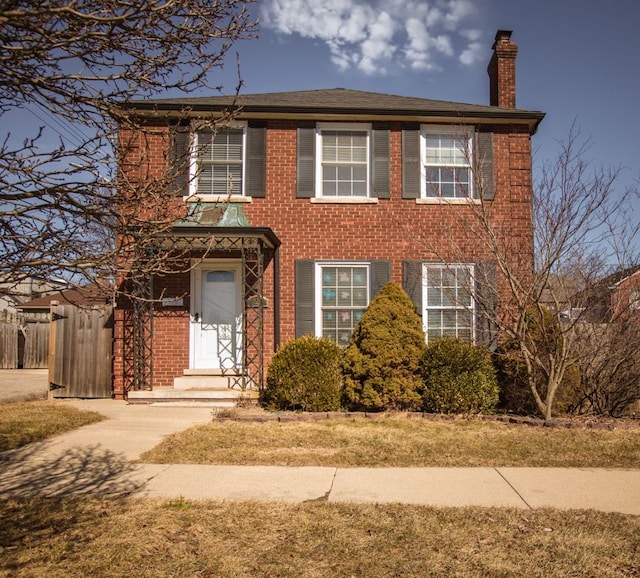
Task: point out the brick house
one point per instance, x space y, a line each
301 208
612 299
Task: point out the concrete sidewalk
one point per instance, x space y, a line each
99 458
23 384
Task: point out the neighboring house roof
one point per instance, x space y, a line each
341 101
13 293
615 279
82 296
596 298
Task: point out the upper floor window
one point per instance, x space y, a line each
446 154
218 162
343 160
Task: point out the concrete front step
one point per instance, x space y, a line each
212 397
206 379
203 382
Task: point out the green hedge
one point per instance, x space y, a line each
458 377
305 375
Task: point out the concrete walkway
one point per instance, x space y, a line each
23 384
100 458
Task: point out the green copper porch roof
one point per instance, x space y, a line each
219 225
220 214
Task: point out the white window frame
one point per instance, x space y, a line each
459 134
456 307
319 266
193 165
346 127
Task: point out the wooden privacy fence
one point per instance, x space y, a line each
35 332
24 340
9 328
80 351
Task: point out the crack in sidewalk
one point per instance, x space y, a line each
513 488
325 496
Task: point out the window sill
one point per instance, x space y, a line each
447 201
344 200
217 199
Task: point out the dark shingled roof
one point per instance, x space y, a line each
82 296
335 100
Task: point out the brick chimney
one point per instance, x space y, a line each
502 71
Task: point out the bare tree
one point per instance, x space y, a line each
581 228
76 65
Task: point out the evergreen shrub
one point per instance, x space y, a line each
459 377
305 375
381 361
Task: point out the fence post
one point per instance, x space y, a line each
52 343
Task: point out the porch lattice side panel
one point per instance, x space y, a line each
81 346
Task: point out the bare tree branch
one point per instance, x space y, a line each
78 64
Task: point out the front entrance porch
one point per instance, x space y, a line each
223 312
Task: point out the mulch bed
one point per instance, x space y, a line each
584 422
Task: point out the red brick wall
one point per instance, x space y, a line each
393 229
502 72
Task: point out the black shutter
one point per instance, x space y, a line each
411 165
179 161
484 164
412 282
380 276
306 162
380 162
256 161
305 310
486 298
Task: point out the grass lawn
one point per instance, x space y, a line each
145 538
398 441
22 423
114 537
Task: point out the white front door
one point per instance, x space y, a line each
216 316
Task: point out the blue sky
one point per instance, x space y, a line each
577 60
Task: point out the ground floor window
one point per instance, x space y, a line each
342 295
448 300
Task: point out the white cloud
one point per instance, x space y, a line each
376 36
456 11
474 52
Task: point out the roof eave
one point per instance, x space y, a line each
493 115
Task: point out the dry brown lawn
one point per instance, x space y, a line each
22 423
398 441
114 537
143 538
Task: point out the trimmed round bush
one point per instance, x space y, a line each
381 361
459 377
305 375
